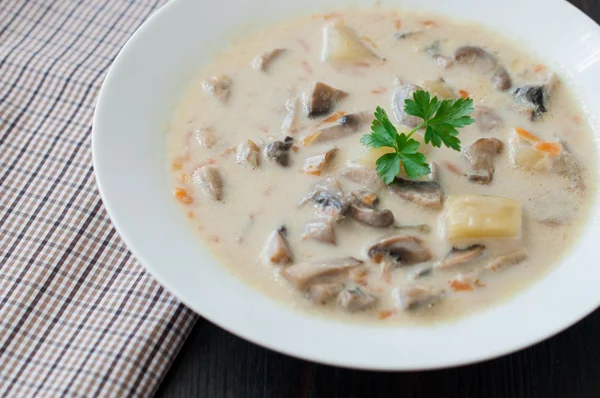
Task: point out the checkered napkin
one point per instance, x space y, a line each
79 316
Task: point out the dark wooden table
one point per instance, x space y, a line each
214 363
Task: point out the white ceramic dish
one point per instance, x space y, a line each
137 101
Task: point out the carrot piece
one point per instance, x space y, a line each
307 67
177 164
460 286
333 15
183 196
527 135
308 139
398 24
362 63
553 149
377 258
335 116
429 23
305 46
463 94
227 151
539 68
385 314
453 168
379 90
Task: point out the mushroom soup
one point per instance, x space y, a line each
267 162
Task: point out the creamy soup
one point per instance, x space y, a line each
267 163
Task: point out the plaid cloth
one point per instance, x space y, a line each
78 315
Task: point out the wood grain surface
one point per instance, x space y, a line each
214 363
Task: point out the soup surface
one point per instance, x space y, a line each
267 163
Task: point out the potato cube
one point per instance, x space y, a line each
438 88
479 216
526 151
341 44
526 157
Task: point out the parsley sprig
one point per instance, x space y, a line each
441 119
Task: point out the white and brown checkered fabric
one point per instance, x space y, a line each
78 315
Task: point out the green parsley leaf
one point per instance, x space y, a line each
388 167
413 161
441 119
383 132
422 105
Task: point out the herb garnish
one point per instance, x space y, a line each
440 120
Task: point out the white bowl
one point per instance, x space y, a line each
137 100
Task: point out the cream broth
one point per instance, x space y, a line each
216 116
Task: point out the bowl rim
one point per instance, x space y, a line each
309 347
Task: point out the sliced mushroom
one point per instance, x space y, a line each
501 80
506 260
416 296
315 165
303 275
406 35
344 126
363 176
420 272
321 293
248 153
321 230
276 249
327 185
481 156
398 97
461 256
208 179
263 61
434 175
486 119
532 99
423 193
475 56
329 199
321 98
402 249
288 125
434 51
279 151
205 137
332 207
433 48
354 298
443 61
218 86
372 217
